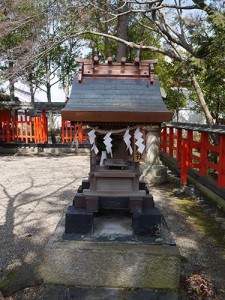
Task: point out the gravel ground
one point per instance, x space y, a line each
34 194
202 248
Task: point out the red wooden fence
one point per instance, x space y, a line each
23 128
192 148
72 131
27 129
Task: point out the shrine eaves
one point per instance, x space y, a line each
116 93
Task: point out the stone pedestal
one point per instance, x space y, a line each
153 174
152 171
152 145
112 257
87 204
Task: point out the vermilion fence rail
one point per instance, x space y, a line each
191 145
23 128
30 129
72 132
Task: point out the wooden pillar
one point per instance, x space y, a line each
163 139
71 132
44 127
20 123
62 132
16 125
221 171
171 141
26 127
35 130
80 133
30 124
8 140
39 130
185 161
179 143
190 141
13 128
203 153
66 128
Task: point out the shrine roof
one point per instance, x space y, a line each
123 94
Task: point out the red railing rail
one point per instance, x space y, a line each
34 129
73 131
23 128
191 145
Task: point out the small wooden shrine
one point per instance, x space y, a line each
119 102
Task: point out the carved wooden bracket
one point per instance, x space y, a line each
139 69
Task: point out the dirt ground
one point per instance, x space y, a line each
200 239
34 194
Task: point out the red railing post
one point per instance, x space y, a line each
80 133
8 140
171 142
203 153
179 143
13 128
39 129
35 130
190 141
62 132
221 170
66 128
164 138
44 127
16 121
26 127
30 128
185 160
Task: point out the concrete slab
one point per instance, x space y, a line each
42 149
106 259
125 294
59 292
115 193
116 225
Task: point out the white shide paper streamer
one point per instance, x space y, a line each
92 137
139 140
126 138
107 141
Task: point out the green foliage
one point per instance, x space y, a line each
3 96
211 74
42 38
173 80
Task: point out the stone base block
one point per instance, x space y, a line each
78 220
153 174
110 202
79 200
85 184
146 222
92 203
95 263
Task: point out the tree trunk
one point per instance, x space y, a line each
208 116
198 90
48 81
31 87
11 81
48 87
67 86
107 41
52 127
122 29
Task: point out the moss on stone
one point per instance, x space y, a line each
10 278
201 221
